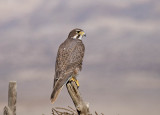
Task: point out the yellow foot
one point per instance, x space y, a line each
75 80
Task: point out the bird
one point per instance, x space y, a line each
68 61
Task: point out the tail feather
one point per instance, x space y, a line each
55 94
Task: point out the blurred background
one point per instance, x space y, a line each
121 69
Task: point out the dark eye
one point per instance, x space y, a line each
78 31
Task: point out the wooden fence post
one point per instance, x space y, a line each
12 96
81 107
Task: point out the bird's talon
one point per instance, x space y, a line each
75 80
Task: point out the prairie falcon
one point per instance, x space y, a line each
69 61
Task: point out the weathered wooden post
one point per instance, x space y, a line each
12 96
81 107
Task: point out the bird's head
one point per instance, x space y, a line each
76 34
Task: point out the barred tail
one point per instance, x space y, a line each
55 94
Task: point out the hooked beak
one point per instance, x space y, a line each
82 33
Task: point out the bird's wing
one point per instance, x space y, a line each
68 59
